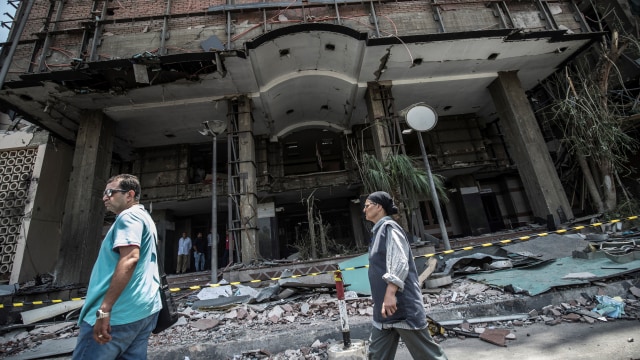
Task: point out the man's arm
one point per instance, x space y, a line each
129 256
397 260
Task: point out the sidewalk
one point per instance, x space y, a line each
614 340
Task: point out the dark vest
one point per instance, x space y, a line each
409 300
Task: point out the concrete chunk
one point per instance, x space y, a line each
495 336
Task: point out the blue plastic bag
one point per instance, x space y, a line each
609 307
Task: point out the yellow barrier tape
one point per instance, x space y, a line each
444 252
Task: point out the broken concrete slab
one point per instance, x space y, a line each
437 280
214 292
220 302
47 312
48 349
495 336
8 289
54 328
548 247
205 324
474 262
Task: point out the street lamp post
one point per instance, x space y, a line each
214 128
422 118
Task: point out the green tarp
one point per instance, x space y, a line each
538 279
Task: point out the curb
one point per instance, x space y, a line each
274 343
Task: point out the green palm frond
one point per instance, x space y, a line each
401 176
376 176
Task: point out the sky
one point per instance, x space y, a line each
5 7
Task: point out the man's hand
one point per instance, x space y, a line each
102 331
389 304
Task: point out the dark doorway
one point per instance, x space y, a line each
492 210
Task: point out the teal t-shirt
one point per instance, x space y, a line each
141 297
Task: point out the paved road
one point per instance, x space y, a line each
615 340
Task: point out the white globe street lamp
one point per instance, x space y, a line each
421 118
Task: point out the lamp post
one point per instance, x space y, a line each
214 128
421 118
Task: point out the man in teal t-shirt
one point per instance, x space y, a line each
123 297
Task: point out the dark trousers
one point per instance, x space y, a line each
384 343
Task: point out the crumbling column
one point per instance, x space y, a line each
528 148
375 98
83 218
249 197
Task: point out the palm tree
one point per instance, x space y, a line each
405 179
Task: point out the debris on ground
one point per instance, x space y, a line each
228 321
228 312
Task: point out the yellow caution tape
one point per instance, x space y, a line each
444 252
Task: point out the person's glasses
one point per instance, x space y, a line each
109 192
369 204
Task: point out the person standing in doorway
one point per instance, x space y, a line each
398 306
199 248
184 248
225 254
123 298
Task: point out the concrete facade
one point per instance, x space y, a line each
35 174
304 88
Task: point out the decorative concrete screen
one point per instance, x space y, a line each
16 167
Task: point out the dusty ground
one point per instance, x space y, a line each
301 312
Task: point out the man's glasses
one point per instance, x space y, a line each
369 204
109 192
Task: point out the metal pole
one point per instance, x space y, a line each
434 195
342 307
214 217
15 39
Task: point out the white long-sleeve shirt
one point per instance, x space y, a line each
184 246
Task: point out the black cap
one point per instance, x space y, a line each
384 199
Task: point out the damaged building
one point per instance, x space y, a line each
267 107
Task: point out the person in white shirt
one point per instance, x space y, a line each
184 249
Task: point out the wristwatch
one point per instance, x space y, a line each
101 314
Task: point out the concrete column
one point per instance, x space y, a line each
523 135
249 198
377 116
167 252
82 222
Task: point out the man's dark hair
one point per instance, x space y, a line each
128 182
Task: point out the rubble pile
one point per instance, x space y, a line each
317 351
243 317
584 309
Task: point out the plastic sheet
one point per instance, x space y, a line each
609 307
